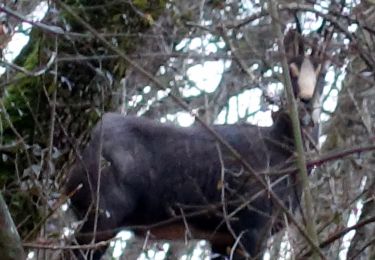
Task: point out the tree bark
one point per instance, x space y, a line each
10 242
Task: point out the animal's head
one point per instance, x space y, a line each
304 68
304 72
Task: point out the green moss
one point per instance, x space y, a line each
28 56
20 98
142 4
26 104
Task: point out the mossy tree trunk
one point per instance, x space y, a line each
10 242
47 110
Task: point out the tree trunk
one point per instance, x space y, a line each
10 242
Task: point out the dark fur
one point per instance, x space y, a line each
152 172
153 169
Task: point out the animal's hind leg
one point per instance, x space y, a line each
116 202
130 161
250 229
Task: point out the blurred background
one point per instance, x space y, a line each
60 72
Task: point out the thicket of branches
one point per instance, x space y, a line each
84 58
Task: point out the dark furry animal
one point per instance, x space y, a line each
152 172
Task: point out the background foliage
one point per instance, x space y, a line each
65 78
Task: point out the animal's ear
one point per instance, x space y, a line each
294 69
293 42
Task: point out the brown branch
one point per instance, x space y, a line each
339 155
70 247
341 233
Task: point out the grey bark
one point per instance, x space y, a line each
10 242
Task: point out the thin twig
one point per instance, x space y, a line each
301 160
224 206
